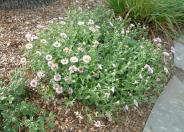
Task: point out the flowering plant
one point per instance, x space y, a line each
97 59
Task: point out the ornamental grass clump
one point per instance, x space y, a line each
95 58
163 16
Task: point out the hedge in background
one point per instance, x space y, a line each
14 4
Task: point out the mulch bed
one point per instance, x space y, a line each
14 24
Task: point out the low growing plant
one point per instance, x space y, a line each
95 58
17 114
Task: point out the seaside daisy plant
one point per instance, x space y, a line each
96 59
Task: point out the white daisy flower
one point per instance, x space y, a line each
57 44
67 79
132 25
29 46
38 53
74 59
64 61
159 45
59 90
80 23
92 29
57 77
90 22
73 69
54 66
55 86
80 49
23 61
158 79
48 57
70 91
81 70
67 50
49 63
43 41
34 37
63 35
33 83
40 74
157 40
86 58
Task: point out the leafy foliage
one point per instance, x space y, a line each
96 59
15 112
166 16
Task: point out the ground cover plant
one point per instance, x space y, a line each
95 58
18 114
164 16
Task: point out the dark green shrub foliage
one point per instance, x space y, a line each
13 4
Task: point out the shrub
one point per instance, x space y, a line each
96 59
166 16
14 4
16 113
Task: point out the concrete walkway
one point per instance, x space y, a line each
168 112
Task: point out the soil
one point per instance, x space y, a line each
14 24
66 120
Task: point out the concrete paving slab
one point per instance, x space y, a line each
179 73
168 112
180 39
179 55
